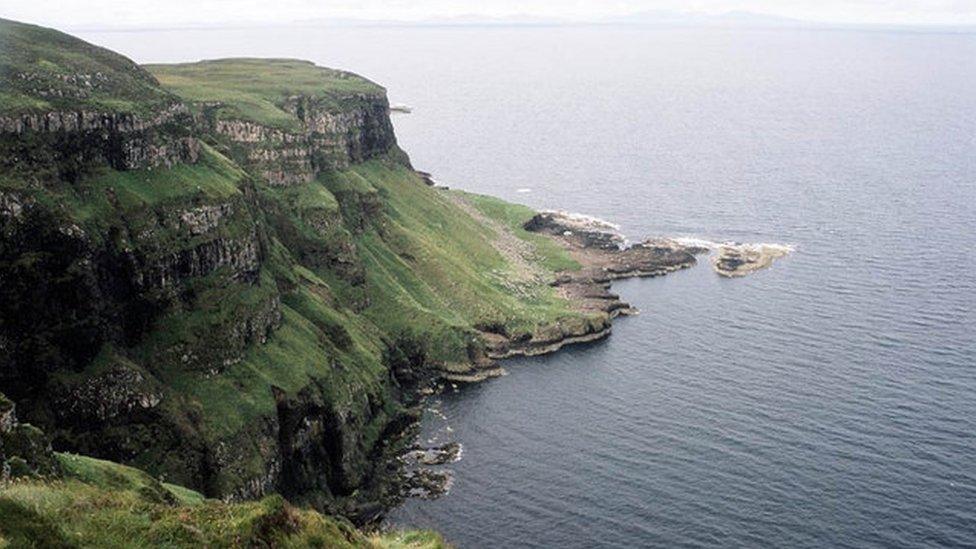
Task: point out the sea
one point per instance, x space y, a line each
829 401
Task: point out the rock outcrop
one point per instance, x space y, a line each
70 106
597 243
24 449
733 260
115 393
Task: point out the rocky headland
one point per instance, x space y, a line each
603 256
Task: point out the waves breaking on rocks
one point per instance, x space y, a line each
729 259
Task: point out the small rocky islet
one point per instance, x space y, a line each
734 260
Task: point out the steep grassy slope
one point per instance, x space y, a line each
435 272
247 291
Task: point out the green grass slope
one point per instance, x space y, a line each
255 89
433 278
102 504
42 69
438 270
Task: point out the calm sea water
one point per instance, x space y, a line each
827 402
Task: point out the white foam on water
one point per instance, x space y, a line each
588 221
697 242
523 190
766 248
449 483
785 248
772 247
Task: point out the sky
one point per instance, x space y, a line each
68 14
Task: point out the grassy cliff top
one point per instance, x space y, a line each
42 69
256 89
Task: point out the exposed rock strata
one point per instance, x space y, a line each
479 369
240 255
204 219
326 138
109 395
87 121
63 144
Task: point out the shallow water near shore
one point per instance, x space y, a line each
827 401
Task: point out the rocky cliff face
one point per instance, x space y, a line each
328 138
69 105
92 288
88 349
61 145
156 305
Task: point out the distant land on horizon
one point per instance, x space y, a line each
656 18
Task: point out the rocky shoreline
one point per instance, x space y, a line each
604 256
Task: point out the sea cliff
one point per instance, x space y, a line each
229 275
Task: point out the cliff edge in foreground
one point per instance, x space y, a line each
50 499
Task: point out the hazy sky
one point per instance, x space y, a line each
83 13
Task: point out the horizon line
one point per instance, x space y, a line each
724 20
965 28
